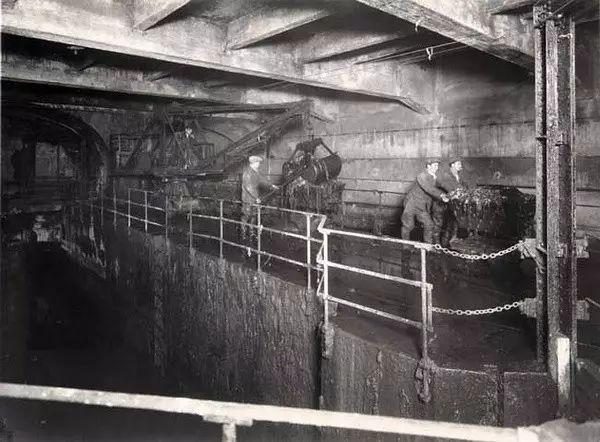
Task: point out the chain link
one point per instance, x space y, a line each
483 256
483 311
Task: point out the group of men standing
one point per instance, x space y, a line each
428 200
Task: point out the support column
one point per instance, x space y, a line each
539 34
560 202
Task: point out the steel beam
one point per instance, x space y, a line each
560 202
540 179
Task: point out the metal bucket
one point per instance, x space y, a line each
322 170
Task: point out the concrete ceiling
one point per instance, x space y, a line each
241 51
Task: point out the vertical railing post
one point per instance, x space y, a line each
146 211
101 196
128 208
166 215
424 309
229 432
308 253
114 205
326 279
191 231
259 237
221 229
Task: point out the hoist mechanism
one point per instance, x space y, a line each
304 167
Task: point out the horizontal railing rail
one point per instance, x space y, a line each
232 414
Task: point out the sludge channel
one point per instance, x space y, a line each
294 220
110 307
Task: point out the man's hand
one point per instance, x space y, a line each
444 197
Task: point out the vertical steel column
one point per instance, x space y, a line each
539 34
128 209
424 310
146 211
221 229
258 238
308 253
560 230
326 279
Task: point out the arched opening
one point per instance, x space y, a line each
49 152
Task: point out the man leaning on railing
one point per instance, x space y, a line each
252 183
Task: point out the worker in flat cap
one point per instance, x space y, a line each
418 201
252 183
452 182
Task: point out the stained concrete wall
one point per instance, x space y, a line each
482 110
216 329
366 377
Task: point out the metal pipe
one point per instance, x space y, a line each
191 230
221 229
308 253
325 263
146 211
376 312
377 274
166 216
114 205
229 433
424 312
415 244
238 412
258 237
128 208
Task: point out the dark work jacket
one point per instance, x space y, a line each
252 183
422 193
448 182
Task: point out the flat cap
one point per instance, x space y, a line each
254 159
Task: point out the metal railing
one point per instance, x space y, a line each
232 414
154 209
258 228
426 288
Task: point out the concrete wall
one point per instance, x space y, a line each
214 329
483 110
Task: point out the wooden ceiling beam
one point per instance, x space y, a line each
468 22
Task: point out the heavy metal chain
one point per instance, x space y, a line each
483 256
483 311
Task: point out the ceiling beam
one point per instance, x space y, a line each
16 67
511 6
188 41
147 13
468 21
334 43
270 21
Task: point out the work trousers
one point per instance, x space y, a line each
412 213
248 216
445 223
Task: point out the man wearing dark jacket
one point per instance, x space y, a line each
252 183
449 181
418 201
